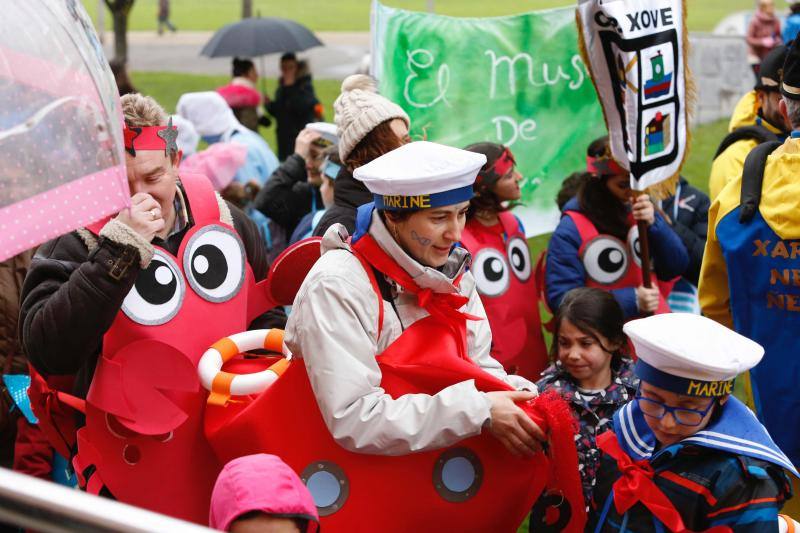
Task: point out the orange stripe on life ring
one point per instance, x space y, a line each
789 523
273 342
221 388
226 348
280 366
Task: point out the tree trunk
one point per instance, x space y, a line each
120 37
247 9
120 9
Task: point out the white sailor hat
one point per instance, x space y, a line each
326 130
690 354
421 175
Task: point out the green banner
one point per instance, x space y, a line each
518 81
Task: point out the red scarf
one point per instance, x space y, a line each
442 306
636 484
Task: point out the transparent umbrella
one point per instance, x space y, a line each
61 149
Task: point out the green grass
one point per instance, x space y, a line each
705 140
353 15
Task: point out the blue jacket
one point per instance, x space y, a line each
565 269
791 27
261 161
690 221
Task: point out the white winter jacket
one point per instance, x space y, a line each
333 327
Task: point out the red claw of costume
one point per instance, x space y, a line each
137 391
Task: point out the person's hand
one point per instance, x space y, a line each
512 427
251 188
647 299
236 193
643 209
768 42
144 216
302 145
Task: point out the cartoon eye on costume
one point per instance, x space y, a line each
634 246
157 294
605 259
328 485
491 272
520 258
214 263
457 475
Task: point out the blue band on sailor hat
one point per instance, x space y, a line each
416 202
679 385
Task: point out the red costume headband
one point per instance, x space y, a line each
501 166
151 138
603 166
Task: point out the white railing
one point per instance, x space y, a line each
35 504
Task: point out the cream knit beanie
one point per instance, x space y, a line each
359 109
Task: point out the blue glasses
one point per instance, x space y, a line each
683 416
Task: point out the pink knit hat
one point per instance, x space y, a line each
219 163
263 483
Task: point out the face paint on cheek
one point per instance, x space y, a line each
424 241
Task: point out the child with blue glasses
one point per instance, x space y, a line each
685 455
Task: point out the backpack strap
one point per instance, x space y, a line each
586 229
509 222
755 132
374 282
753 178
202 200
468 240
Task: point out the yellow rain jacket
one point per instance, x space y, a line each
746 111
780 208
728 165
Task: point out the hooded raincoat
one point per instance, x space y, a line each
728 165
750 282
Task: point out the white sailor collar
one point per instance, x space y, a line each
736 430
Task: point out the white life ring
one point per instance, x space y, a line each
787 525
222 385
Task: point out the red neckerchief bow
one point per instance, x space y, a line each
636 484
442 306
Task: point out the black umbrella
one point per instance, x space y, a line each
253 37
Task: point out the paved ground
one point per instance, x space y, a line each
180 52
